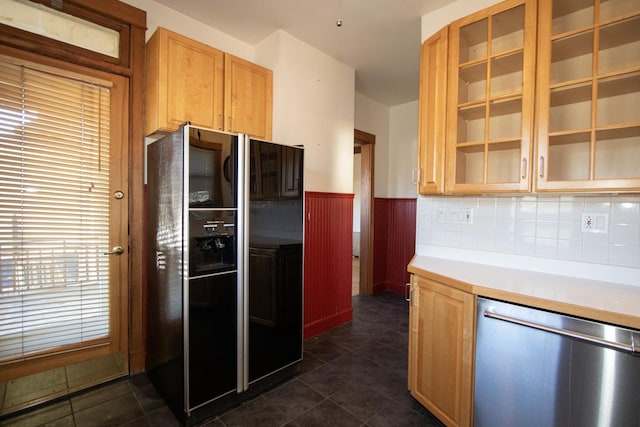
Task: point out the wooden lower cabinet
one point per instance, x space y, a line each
441 348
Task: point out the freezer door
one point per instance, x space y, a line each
274 256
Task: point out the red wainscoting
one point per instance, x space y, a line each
394 243
327 261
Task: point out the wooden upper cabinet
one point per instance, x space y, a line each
248 94
441 350
194 82
491 99
185 82
432 113
588 115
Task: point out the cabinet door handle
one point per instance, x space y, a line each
229 120
524 168
221 121
407 292
541 167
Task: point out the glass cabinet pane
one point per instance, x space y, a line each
618 100
570 108
507 30
471 123
572 58
610 9
619 46
506 74
569 15
472 83
568 157
473 41
504 163
617 153
505 120
470 164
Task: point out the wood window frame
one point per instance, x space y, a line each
130 22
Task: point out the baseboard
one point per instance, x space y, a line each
317 327
389 287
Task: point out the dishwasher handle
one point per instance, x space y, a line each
634 347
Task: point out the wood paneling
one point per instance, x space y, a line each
327 261
394 245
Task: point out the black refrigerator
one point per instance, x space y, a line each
224 241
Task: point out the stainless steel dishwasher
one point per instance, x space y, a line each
537 368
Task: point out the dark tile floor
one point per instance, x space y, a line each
353 375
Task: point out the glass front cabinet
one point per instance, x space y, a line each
541 96
491 99
588 95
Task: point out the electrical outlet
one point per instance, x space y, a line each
595 222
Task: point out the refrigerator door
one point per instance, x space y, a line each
213 258
274 252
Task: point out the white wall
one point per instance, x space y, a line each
357 184
396 131
403 150
373 117
313 106
159 15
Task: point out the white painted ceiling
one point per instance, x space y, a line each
380 39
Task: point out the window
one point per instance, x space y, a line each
54 211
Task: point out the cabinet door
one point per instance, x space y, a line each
588 118
432 113
248 94
184 83
263 270
491 99
441 343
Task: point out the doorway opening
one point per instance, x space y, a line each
362 260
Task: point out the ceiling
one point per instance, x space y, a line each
380 39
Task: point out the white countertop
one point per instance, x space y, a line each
602 295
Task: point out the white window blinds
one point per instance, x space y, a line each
54 211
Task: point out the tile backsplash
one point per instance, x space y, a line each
536 225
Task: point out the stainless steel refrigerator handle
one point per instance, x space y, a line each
241 380
246 143
577 335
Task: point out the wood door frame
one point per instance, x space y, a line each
131 22
366 142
